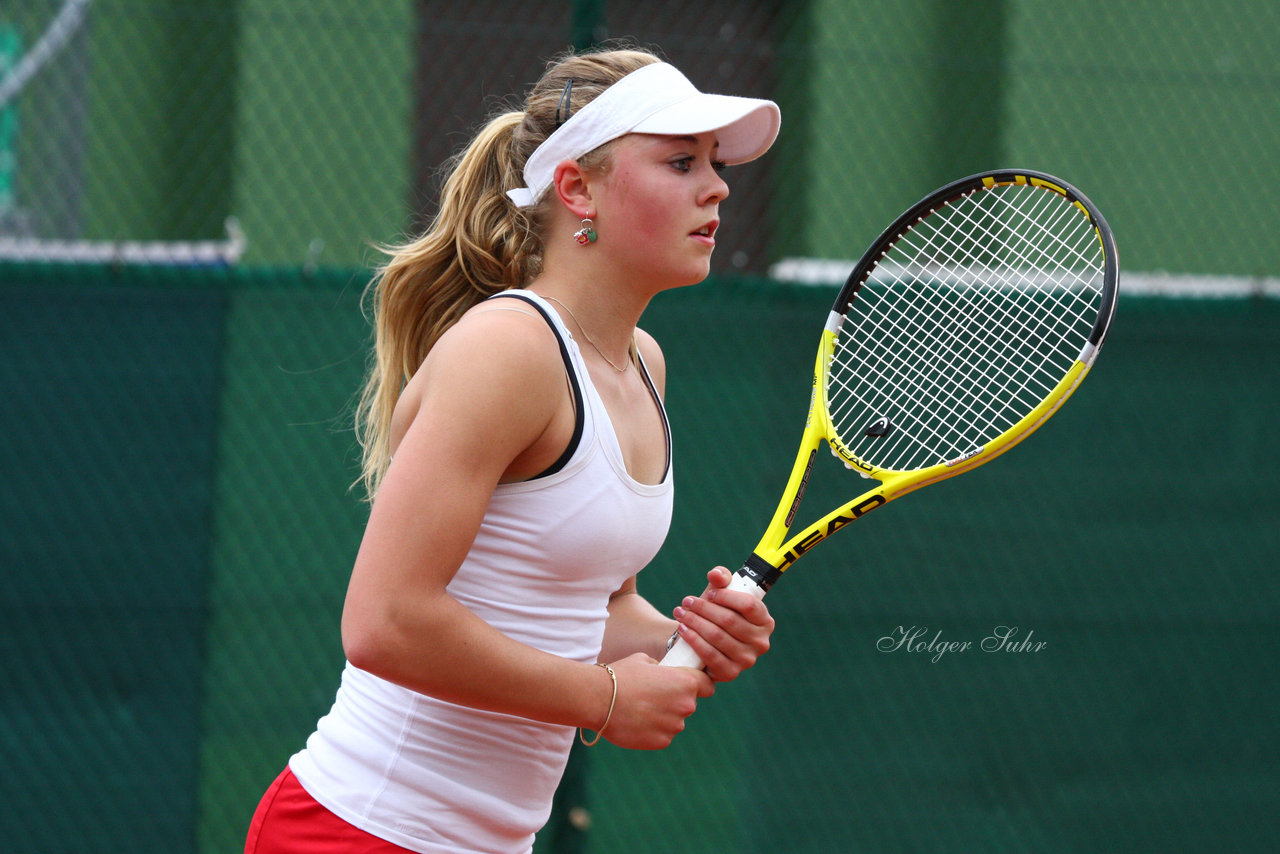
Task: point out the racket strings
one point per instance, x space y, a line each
1046 236
918 380
1022 251
968 411
972 369
965 324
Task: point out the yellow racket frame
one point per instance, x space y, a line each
780 551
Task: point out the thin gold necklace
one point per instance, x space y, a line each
610 362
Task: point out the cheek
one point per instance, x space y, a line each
651 219
646 207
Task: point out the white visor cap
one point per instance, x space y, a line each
658 99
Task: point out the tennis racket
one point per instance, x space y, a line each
964 327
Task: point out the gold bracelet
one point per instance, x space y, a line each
612 700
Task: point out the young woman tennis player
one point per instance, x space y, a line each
519 459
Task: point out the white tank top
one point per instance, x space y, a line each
436 777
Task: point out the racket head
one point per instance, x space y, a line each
965 325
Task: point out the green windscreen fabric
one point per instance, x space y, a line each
108 413
177 532
1129 711
285 531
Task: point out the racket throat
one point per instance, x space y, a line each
760 571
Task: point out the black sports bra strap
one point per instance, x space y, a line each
579 410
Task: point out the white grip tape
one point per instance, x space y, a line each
681 654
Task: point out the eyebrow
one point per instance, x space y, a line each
691 138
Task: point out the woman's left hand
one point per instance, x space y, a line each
728 629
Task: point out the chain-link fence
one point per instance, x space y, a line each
300 133
189 193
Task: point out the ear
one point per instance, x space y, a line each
572 187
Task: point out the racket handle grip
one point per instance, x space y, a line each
681 654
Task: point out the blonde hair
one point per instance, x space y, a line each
477 244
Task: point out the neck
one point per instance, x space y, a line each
606 318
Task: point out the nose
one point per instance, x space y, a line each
716 189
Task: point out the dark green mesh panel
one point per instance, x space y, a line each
294 357
109 401
178 533
1140 723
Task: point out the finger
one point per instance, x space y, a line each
715 617
721 652
716 667
736 643
703 686
749 607
718 578
720 667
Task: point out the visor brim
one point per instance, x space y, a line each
744 127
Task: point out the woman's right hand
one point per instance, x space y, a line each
653 701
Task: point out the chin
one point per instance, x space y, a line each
698 272
689 279
682 275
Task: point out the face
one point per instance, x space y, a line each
657 206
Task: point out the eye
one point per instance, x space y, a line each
685 164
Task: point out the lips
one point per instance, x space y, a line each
708 231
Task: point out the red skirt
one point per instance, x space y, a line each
290 821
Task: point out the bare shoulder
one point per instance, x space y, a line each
498 345
498 365
653 359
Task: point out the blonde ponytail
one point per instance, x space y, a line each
478 244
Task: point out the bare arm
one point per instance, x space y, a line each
634 626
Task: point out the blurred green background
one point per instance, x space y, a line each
189 194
